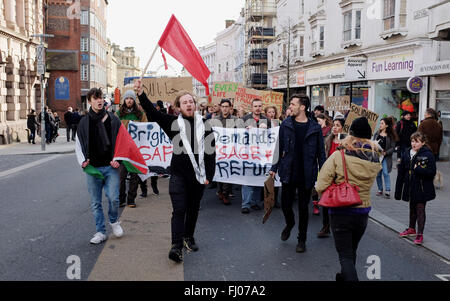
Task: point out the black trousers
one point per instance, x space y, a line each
288 192
185 195
347 232
132 185
68 129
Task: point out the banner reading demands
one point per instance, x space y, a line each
358 111
244 157
223 90
154 145
165 89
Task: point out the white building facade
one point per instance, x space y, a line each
208 54
367 50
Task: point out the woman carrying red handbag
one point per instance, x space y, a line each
348 224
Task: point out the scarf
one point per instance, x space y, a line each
199 168
103 141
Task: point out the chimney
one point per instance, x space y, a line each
228 23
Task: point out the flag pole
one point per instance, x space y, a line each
148 63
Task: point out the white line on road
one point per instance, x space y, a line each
9 172
443 277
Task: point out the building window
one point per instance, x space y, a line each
389 14
322 37
84 72
84 17
302 46
93 73
84 44
219 68
402 13
348 26
227 67
358 25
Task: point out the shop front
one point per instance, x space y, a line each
358 92
388 76
277 82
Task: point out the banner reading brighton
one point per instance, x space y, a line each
154 145
244 157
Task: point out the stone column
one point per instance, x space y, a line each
10 14
2 13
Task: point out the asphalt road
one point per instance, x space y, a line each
238 247
45 218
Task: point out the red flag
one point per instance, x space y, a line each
176 42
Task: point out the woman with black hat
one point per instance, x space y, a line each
348 224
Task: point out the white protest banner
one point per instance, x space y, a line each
243 156
154 145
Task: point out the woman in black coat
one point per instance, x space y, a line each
416 172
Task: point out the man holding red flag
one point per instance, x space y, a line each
102 141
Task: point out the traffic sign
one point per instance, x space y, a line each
355 68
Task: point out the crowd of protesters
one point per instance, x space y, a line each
309 161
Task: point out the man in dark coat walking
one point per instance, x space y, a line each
301 153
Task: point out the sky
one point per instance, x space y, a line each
140 24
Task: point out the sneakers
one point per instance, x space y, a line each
316 210
379 193
189 244
220 195
301 247
122 204
255 207
143 195
226 201
245 211
324 232
176 254
98 238
408 232
286 233
387 194
419 239
117 229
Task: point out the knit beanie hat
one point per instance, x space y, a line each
129 94
360 128
404 113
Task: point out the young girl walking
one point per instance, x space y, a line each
415 184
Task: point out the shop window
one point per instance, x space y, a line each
358 92
319 95
443 109
392 98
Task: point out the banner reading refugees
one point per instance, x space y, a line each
244 157
244 97
154 145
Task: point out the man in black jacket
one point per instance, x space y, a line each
301 153
95 144
68 121
192 166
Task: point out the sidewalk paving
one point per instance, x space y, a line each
61 146
395 214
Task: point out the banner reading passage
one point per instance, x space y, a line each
155 146
244 157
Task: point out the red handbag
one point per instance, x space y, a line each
342 195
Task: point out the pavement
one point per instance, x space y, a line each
61 146
149 227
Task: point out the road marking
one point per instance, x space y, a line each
9 172
447 262
443 277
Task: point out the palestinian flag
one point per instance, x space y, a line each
125 151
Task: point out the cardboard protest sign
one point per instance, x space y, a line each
358 111
272 98
244 157
166 89
244 97
223 90
154 145
338 103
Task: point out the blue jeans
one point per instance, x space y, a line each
111 186
251 195
387 178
